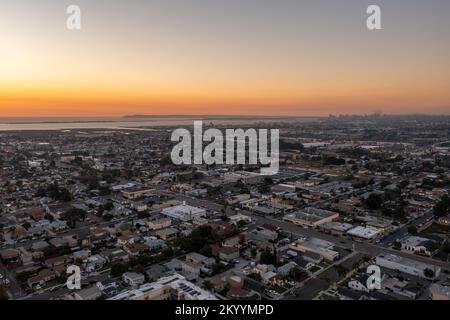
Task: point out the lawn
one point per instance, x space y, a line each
314 269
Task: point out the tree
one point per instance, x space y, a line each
403 184
199 240
267 257
241 223
74 214
412 230
109 206
118 269
374 201
108 217
297 275
168 252
342 271
255 276
442 208
3 293
23 276
397 245
242 239
428 273
334 161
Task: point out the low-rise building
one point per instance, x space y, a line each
419 245
133 279
439 292
159 223
311 217
174 287
336 228
408 266
315 245
135 193
365 233
183 212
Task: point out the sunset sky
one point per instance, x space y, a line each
265 57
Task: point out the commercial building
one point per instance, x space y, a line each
365 233
135 193
408 266
315 245
419 245
183 212
336 228
311 217
174 287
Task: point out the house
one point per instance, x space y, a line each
115 255
136 249
242 294
271 277
41 278
109 287
285 269
262 237
190 267
136 192
439 292
91 293
39 245
125 239
199 258
167 233
37 215
235 219
154 272
155 244
81 254
10 257
359 283
94 262
62 242
263 268
159 223
56 261
217 284
139 206
58 225
228 253
133 279
303 264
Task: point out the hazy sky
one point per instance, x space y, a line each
284 57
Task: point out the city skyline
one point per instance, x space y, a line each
302 58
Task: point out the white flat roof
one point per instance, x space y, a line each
364 232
